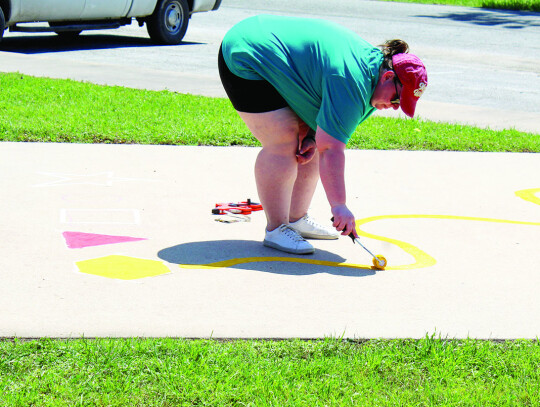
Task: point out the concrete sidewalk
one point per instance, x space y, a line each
116 240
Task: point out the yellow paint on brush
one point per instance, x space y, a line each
421 258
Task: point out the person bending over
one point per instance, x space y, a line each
302 86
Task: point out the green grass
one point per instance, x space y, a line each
178 372
57 110
523 5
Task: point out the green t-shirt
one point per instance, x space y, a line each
325 72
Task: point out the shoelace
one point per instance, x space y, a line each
293 234
313 223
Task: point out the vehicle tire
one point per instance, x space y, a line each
169 22
2 23
65 34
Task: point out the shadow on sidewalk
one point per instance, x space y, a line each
252 255
46 44
488 17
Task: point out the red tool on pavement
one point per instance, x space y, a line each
242 208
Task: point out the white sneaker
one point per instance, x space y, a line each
310 229
287 240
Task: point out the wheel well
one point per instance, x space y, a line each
6 8
190 5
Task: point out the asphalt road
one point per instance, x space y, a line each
483 65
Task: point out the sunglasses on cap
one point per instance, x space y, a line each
395 101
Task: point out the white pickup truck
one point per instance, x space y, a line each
166 20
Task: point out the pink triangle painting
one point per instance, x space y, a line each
78 240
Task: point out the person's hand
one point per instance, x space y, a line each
344 220
306 143
306 150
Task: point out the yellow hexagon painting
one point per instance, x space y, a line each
122 267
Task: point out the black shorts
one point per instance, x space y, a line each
250 96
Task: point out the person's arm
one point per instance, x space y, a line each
332 172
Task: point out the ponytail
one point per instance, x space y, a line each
391 48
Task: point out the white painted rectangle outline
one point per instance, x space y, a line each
134 213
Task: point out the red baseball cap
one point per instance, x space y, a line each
412 74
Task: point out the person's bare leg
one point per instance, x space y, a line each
276 167
304 188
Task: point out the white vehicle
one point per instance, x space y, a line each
166 20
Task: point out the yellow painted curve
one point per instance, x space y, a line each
421 258
529 195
